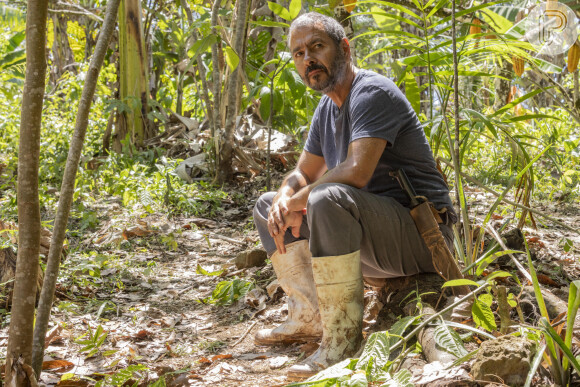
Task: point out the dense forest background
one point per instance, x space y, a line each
196 109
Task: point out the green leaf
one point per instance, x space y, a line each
487 299
512 301
268 23
483 316
357 380
294 8
449 340
377 351
498 274
232 59
460 282
498 22
491 258
412 92
279 10
384 20
401 379
202 45
200 270
556 337
573 305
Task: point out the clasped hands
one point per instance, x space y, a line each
286 213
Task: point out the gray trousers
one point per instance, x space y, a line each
341 219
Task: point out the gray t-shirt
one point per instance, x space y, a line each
375 107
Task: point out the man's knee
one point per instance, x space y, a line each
262 208
327 198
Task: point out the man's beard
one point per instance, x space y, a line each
337 73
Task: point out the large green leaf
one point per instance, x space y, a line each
232 59
294 8
460 282
412 92
202 45
483 316
279 10
376 351
401 379
268 23
449 340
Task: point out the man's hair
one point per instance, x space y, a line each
332 28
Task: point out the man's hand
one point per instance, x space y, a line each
276 224
293 221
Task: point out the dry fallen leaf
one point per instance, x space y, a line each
73 383
57 365
221 357
143 334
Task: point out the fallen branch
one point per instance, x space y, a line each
245 334
426 338
76 13
227 239
497 237
491 191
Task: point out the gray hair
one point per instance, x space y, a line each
330 26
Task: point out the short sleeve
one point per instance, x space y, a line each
313 144
374 112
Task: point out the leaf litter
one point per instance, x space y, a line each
146 306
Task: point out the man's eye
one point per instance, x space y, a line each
298 54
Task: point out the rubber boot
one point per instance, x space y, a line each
339 287
294 272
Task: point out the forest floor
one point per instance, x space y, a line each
135 299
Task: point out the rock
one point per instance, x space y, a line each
251 258
506 359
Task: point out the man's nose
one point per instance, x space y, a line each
308 58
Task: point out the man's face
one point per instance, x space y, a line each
320 63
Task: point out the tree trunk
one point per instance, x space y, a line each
68 184
133 82
502 86
62 55
22 319
225 172
343 17
217 81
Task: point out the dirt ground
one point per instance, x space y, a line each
152 309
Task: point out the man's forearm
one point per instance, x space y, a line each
293 183
341 174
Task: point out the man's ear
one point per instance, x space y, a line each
345 45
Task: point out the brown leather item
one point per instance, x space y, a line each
443 261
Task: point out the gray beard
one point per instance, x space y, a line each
336 74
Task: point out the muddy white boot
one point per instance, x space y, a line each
294 272
340 300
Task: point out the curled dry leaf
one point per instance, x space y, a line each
73 383
57 365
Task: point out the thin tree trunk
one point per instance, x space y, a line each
225 172
217 80
62 55
502 83
133 75
68 183
576 90
343 17
22 319
200 67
